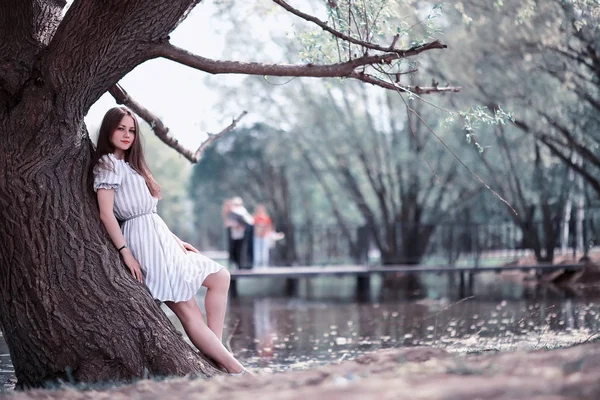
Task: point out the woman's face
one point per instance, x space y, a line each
124 135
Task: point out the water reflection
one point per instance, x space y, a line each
325 324
301 333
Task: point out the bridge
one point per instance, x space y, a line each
363 272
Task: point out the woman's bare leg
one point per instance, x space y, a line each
201 336
215 301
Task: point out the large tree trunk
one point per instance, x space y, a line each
68 308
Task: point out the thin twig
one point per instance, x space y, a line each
396 37
407 90
465 165
436 44
415 90
408 112
122 97
214 136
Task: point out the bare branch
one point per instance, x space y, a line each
121 97
579 89
394 40
514 177
548 142
214 136
343 69
574 55
323 25
572 140
329 194
184 57
594 183
409 89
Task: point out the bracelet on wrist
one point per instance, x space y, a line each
123 247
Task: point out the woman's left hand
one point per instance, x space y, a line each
189 247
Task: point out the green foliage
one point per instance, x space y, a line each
475 117
376 21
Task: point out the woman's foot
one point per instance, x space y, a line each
242 372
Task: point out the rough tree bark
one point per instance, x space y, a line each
68 309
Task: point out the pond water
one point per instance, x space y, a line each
325 324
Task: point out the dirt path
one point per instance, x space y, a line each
411 373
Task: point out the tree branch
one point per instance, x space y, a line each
162 131
374 177
580 90
577 145
26 26
348 119
403 88
349 184
594 183
336 70
576 56
436 44
463 164
514 174
214 136
105 40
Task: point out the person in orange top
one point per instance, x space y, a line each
262 231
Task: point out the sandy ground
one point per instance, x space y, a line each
411 373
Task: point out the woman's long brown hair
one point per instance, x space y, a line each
134 155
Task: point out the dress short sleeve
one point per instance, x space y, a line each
107 174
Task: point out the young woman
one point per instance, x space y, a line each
172 270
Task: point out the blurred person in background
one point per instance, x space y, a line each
262 232
239 225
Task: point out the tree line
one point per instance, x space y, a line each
525 125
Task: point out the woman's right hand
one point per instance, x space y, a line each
132 264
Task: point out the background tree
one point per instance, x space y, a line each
255 164
380 157
549 48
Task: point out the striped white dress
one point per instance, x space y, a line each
169 273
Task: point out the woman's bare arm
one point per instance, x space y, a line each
106 200
185 246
